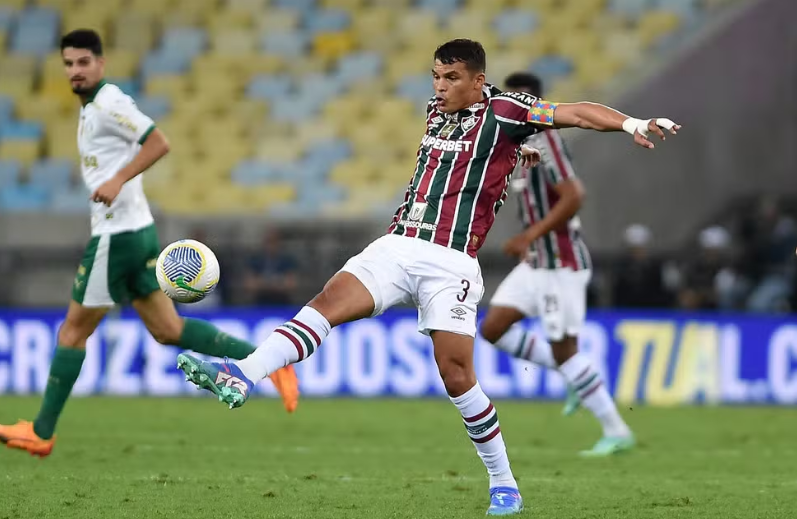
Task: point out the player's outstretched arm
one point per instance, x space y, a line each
594 116
152 150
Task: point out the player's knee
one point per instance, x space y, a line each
457 378
168 333
73 335
564 350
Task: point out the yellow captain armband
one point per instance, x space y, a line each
541 112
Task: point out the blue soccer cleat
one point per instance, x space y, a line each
609 445
222 378
505 501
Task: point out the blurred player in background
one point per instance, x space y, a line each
428 257
116 143
551 279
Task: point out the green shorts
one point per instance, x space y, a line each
117 268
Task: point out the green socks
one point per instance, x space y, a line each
203 337
64 371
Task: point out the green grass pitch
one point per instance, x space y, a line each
159 458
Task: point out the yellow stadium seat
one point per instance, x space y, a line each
12 65
394 4
3 38
576 43
353 171
188 13
417 21
83 16
608 23
505 63
566 90
234 42
60 90
15 86
225 20
492 7
538 43
52 68
24 151
309 132
370 87
596 71
250 7
408 63
467 21
393 110
301 66
39 108
259 64
279 149
332 45
134 32
15 4
346 107
275 19
486 37
170 86
655 24
267 195
61 138
350 5
120 63
624 46
155 8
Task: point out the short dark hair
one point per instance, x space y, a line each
469 52
526 81
83 39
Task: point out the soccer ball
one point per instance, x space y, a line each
187 271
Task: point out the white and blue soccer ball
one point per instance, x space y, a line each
187 271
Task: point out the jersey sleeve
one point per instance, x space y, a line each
124 119
520 114
558 166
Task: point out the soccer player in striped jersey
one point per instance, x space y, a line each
551 279
428 256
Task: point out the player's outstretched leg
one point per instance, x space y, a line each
500 329
38 437
343 299
580 374
454 356
167 327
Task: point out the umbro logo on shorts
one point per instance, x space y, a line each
458 312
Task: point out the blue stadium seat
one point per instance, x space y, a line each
36 32
269 87
21 130
327 20
10 173
6 109
297 5
255 172
52 174
164 63
318 88
72 200
294 108
443 8
515 21
185 41
360 65
629 8
24 198
551 67
7 17
155 107
417 88
127 85
291 44
329 151
322 194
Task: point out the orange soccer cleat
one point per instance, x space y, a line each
287 383
21 436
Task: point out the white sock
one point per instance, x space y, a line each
292 342
522 344
481 422
589 387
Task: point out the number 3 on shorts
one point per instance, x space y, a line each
464 295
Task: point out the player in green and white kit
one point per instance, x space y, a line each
116 143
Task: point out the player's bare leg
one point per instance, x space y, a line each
38 437
166 326
454 356
343 299
580 374
497 328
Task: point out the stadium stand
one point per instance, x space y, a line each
288 106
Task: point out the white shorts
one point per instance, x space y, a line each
558 297
445 285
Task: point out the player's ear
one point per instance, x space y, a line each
479 80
